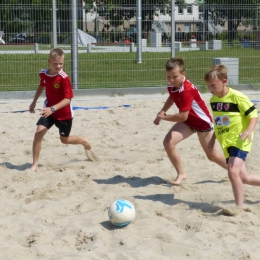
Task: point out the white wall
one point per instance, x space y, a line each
184 17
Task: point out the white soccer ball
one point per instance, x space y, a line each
121 212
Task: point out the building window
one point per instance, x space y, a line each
189 9
180 9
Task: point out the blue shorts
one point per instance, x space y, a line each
236 152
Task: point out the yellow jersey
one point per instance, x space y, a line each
231 116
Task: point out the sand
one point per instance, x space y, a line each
60 212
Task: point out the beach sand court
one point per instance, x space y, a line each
60 212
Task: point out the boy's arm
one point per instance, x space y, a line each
45 112
36 96
213 137
211 143
63 103
248 132
168 103
180 117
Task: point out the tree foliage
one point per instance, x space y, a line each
235 12
18 16
116 11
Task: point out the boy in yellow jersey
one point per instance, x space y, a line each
235 118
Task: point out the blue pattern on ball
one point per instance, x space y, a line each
123 224
121 213
121 204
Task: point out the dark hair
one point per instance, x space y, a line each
175 63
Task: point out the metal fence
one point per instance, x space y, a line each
205 33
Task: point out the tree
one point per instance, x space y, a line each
235 12
21 15
119 10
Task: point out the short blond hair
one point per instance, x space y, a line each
216 71
175 63
56 53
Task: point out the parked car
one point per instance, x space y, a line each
24 39
19 38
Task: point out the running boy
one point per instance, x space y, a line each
235 118
57 106
193 117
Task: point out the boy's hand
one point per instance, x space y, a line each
161 115
45 112
246 134
31 108
211 144
157 120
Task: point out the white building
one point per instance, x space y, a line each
186 18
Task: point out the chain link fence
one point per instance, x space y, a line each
107 41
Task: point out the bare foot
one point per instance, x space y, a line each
179 179
34 167
92 156
86 144
233 210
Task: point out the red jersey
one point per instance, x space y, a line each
57 87
188 98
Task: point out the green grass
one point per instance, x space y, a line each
119 70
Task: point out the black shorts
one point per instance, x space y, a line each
63 125
195 130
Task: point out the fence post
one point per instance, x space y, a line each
74 45
132 47
89 47
178 46
54 24
139 30
36 48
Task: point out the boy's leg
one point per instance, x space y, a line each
178 132
64 130
37 145
76 140
234 167
250 179
83 141
214 156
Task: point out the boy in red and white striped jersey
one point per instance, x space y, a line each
193 117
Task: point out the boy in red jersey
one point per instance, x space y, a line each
57 106
193 117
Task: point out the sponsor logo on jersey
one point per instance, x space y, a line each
222 120
225 120
226 107
223 130
56 85
219 106
218 120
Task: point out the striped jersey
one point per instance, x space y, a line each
57 87
188 98
231 116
